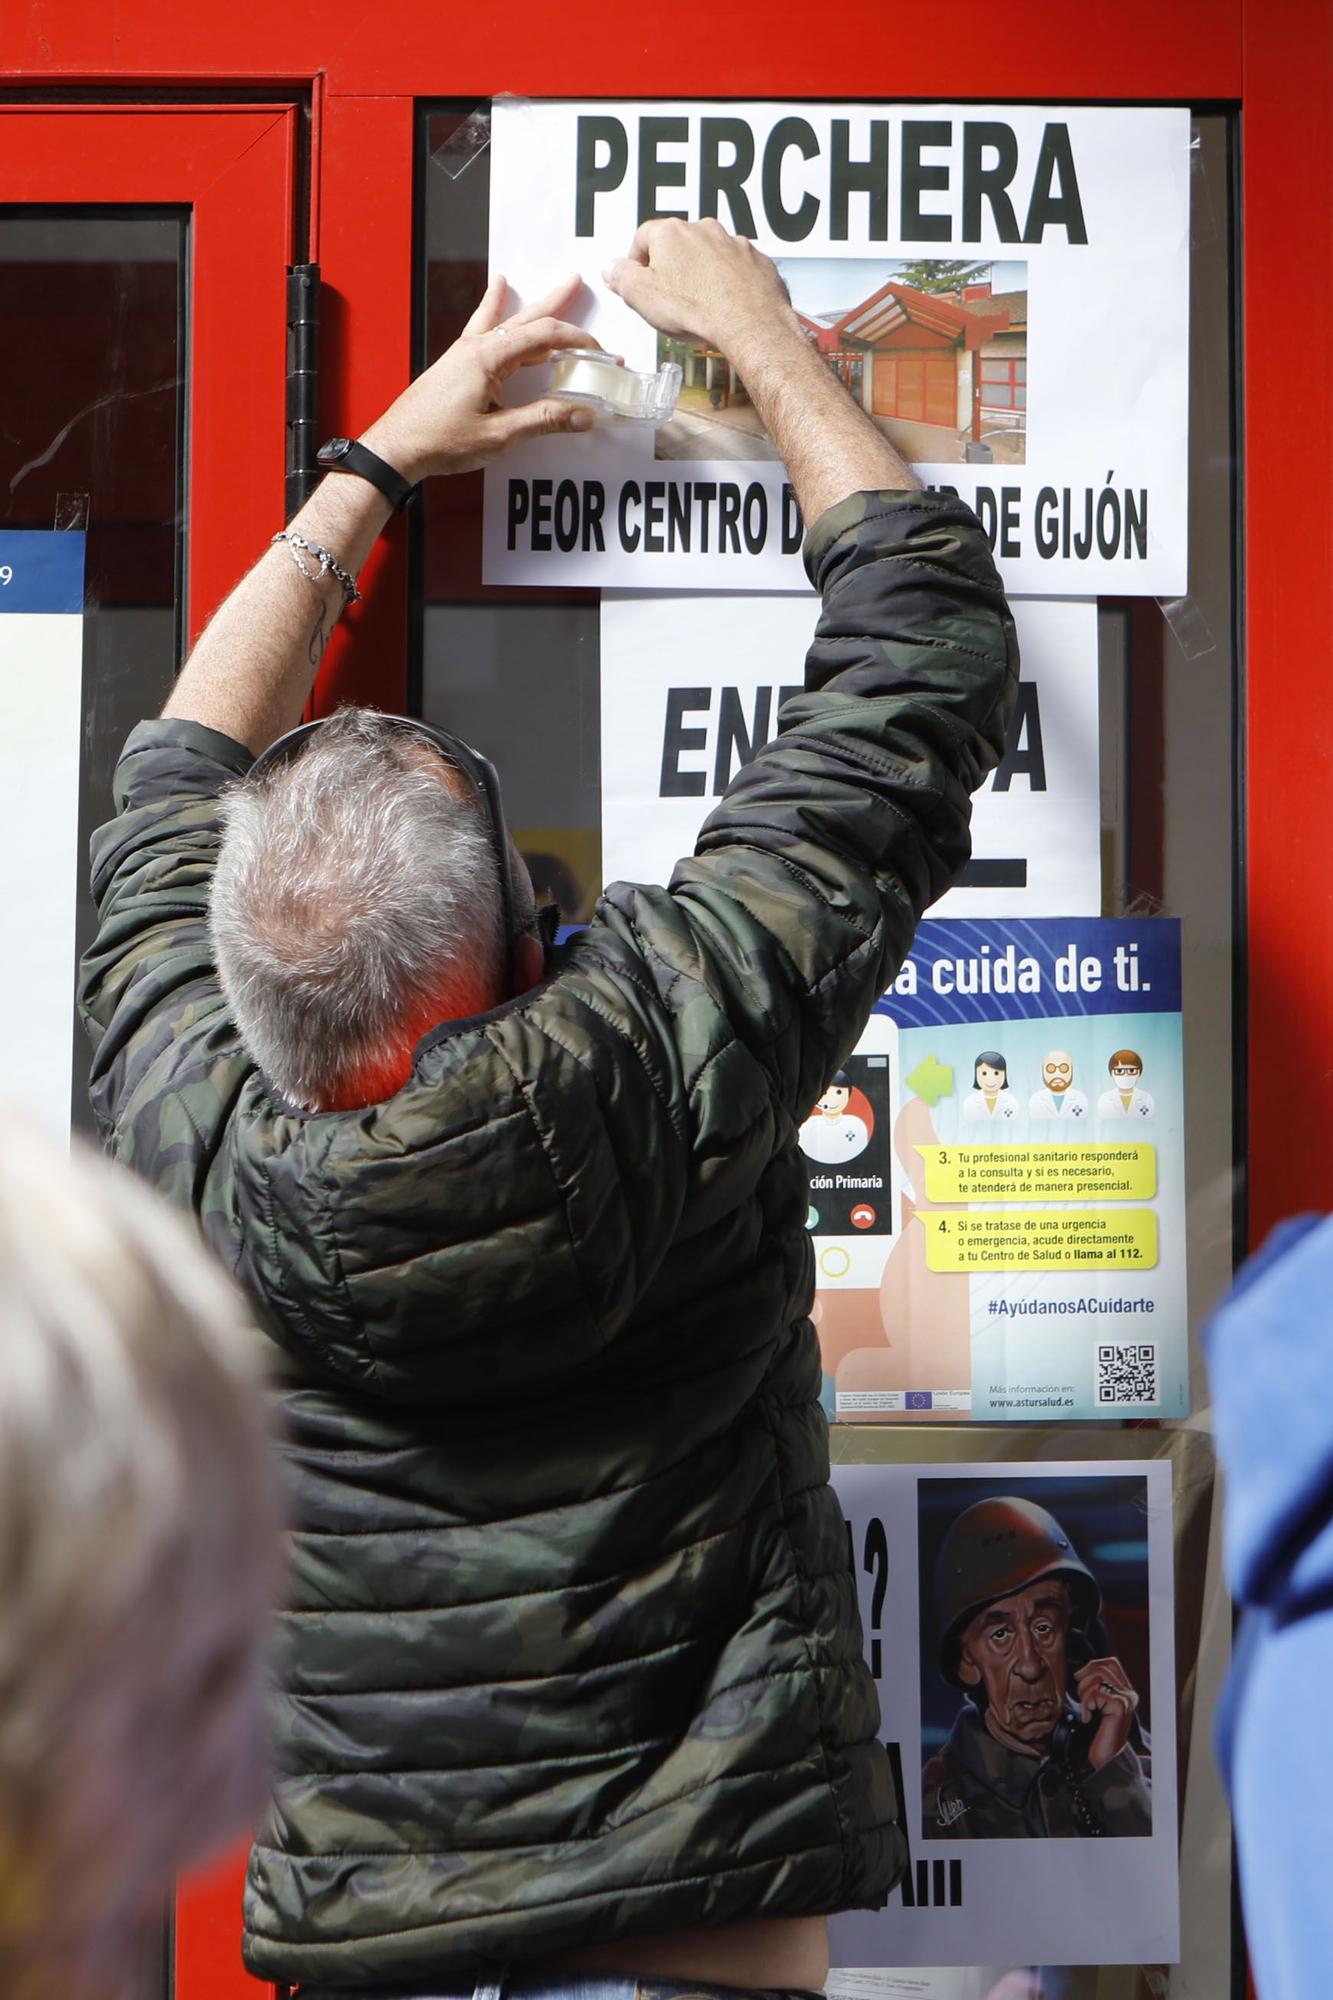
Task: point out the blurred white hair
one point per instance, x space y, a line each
355 894
138 1565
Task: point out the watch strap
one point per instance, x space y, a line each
347 455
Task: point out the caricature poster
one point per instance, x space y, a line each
1003 288
1019 1622
996 1181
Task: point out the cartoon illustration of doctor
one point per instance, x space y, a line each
990 1100
1057 1097
1125 1098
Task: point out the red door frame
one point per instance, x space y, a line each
233 169
364 68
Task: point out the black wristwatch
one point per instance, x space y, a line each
346 455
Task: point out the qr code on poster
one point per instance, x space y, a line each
1127 1374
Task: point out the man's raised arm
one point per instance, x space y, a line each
252 671
804 891
149 990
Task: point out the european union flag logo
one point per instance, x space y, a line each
919 1399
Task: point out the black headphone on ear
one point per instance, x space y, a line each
481 775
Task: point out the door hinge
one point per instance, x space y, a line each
302 383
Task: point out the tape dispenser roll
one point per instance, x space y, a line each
618 394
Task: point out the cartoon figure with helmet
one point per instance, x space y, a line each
1046 1741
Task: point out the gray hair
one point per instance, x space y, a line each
138 1563
356 898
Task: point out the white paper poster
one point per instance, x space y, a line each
1003 288
1019 1622
691 688
41 683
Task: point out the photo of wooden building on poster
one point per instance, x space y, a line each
935 352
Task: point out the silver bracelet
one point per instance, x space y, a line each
328 564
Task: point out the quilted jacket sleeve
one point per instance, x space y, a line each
810 876
167 1063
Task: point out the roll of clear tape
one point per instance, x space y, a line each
618 394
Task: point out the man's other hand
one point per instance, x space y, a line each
697 280
451 418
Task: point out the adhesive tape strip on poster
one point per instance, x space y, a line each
620 394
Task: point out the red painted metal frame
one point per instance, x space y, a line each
363 68
1288 226
1105 49
233 169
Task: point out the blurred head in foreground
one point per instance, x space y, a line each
137 1559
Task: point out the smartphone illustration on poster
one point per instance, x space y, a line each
846 1143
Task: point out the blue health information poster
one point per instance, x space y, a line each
1017 1249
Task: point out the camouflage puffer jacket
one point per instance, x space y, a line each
572 1648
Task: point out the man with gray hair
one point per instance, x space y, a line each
138 1555
355 904
573 1693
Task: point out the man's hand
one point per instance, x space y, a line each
1104 1692
451 418
695 280
252 670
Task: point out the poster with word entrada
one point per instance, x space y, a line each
1019 1621
1004 290
691 688
996 1180
41 681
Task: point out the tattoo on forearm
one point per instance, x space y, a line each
319 638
